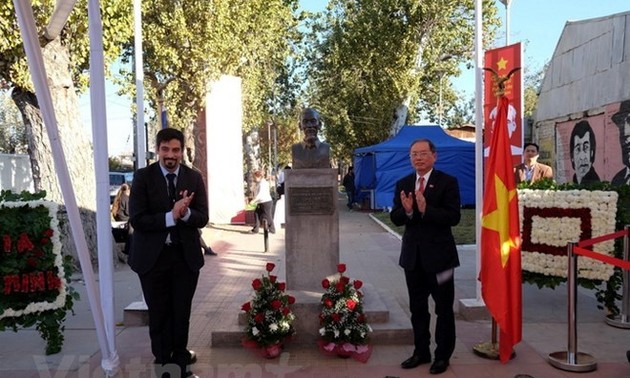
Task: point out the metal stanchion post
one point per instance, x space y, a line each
266 234
572 360
623 320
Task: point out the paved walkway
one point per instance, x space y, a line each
371 254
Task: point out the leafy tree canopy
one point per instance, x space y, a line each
370 56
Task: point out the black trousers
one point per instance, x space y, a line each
168 290
264 211
420 285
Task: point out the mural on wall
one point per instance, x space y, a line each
621 119
595 148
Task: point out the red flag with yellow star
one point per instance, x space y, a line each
503 60
500 272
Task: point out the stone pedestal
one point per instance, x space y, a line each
312 227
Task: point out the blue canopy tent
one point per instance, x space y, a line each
378 167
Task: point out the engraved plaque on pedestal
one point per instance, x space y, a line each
311 201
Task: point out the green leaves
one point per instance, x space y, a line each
370 57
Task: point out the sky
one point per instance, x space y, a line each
537 24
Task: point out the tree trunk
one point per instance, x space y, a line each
77 148
252 159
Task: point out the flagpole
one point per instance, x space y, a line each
485 349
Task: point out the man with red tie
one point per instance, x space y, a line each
427 203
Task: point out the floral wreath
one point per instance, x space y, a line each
269 316
551 219
344 329
553 214
33 272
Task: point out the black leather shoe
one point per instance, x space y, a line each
439 367
253 231
209 252
414 361
193 357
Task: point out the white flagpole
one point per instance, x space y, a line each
478 137
109 358
141 155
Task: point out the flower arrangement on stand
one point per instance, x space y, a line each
269 316
344 329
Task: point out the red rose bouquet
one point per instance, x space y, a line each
269 316
344 329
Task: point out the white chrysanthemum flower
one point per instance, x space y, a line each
347 332
255 331
273 327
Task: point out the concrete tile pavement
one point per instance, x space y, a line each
371 254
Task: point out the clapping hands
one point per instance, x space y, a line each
180 208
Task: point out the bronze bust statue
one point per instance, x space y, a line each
311 152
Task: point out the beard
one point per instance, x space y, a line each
310 140
170 163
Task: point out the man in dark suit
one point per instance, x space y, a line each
427 202
168 205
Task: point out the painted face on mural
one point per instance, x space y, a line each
582 155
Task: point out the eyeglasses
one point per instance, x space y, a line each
422 154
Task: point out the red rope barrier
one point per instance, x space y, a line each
602 257
599 239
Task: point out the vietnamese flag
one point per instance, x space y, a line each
500 272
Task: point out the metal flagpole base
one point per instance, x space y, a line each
489 350
583 362
619 321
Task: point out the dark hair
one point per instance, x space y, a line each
431 145
167 134
531 144
579 130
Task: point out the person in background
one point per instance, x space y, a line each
348 184
583 154
264 203
280 182
427 203
120 206
531 170
207 250
120 213
168 206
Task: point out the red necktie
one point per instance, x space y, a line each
421 187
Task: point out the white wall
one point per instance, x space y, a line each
15 173
224 141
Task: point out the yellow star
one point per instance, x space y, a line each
502 64
498 220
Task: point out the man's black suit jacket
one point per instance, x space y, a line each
428 236
148 204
